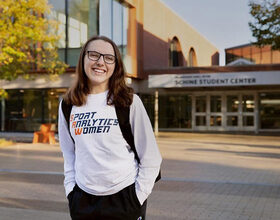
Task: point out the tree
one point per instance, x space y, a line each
265 26
28 39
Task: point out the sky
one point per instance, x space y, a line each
223 22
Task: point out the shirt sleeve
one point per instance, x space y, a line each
68 150
147 149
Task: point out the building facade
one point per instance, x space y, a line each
148 34
253 54
220 99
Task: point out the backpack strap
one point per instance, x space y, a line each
123 118
66 109
124 122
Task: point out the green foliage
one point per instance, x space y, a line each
3 93
27 39
266 24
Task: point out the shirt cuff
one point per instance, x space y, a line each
141 196
69 188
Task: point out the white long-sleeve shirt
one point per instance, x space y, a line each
100 161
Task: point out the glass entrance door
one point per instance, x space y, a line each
270 111
225 112
215 111
200 109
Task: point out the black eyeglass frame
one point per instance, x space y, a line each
103 55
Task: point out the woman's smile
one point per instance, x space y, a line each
99 71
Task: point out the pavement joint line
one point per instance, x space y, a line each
30 172
171 179
174 179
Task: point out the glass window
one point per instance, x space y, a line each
200 120
113 19
248 103
149 103
192 58
23 110
174 111
127 59
216 103
51 102
248 120
105 18
215 121
256 55
270 110
232 103
232 121
175 53
117 23
82 24
200 104
26 109
58 14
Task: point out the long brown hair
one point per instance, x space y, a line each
119 93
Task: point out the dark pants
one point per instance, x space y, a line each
123 205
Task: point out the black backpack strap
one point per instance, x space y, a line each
66 109
123 118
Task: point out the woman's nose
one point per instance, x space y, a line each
100 60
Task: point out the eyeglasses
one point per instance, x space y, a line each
95 56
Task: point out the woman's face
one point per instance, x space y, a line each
97 70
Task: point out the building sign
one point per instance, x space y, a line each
215 79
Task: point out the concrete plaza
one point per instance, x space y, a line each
205 176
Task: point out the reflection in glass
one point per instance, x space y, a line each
248 120
78 22
215 121
216 103
248 103
200 120
149 104
82 24
114 17
232 121
23 110
105 18
200 104
270 110
174 52
117 23
175 111
58 14
27 109
232 103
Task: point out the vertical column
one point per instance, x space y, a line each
43 94
193 113
207 113
256 113
224 112
3 114
156 113
240 113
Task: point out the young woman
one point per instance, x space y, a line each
103 180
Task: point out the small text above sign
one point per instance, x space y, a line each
214 79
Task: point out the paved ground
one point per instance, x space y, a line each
205 176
